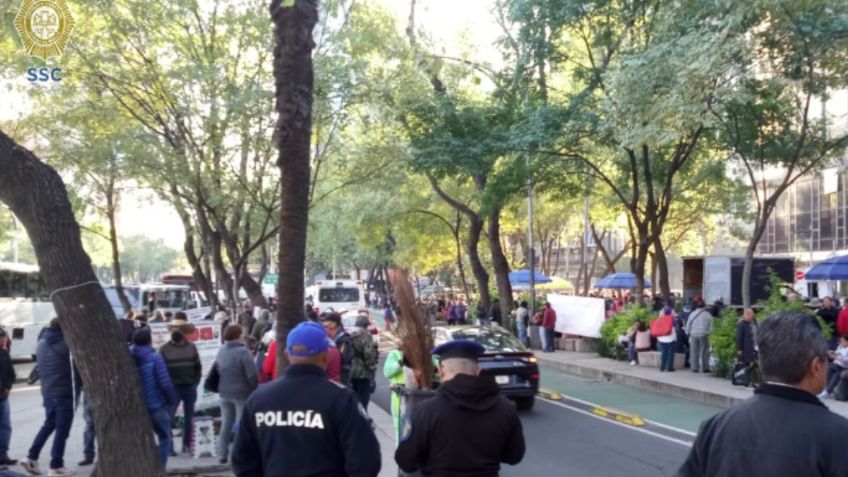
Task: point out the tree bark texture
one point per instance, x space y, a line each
294 79
500 264
37 196
111 207
481 276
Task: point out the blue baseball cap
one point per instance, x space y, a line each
465 349
306 339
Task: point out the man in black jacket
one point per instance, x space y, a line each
303 423
468 428
784 430
7 379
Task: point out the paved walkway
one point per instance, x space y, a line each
701 388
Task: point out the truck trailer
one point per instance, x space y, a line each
719 277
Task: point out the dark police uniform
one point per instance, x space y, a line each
304 424
467 429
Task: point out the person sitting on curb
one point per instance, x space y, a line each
835 371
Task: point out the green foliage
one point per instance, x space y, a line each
618 325
723 342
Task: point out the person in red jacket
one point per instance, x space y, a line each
548 325
842 322
269 366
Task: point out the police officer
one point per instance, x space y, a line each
304 424
468 428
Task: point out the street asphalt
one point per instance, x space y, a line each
564 438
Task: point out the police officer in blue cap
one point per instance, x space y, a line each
468 428
304 424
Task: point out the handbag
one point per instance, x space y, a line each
212 380
662 326
741 374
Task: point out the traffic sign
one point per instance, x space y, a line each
799 275
270 279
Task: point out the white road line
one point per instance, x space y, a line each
653 423
637 429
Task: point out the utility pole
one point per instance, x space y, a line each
585 265
531 262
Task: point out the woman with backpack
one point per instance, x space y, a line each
365 357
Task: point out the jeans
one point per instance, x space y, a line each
631 352
666 356
549 339
522 333
59 415
161 419
5 429
188 396
88 434
231 410
362 388
699 353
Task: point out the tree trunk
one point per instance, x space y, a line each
460 267
36 195
113 241
294 78
759 229
500 263
662 267
475 229
254 289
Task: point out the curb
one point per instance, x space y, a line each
548 394
695 395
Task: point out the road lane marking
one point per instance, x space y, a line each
616 423
652 423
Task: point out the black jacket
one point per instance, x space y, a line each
345 348
54 366
304 424
745 341
467 429
495 314
781 431
7 374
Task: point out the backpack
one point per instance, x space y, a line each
370 357
662 326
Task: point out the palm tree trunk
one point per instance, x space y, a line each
294 79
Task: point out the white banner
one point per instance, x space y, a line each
197 314
207 339
577 315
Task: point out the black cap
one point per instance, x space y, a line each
465 349
332 316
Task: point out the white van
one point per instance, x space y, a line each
338 295
25 307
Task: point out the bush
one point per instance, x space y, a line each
618 325
723 342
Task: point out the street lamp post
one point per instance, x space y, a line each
531 262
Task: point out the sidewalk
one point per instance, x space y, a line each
28 415
684 384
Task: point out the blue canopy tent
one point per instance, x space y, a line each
522 277
834 268
620 280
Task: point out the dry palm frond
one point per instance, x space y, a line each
413 330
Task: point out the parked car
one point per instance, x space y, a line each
515 368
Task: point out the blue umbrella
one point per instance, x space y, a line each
520 277
620 280
834 268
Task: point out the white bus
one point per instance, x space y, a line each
171 298
25 308
340 295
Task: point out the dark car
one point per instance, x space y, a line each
514 367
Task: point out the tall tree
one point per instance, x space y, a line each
294 77
37 196
785 58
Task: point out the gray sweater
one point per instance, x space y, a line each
700 323
239 376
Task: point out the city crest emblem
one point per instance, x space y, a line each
44 26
